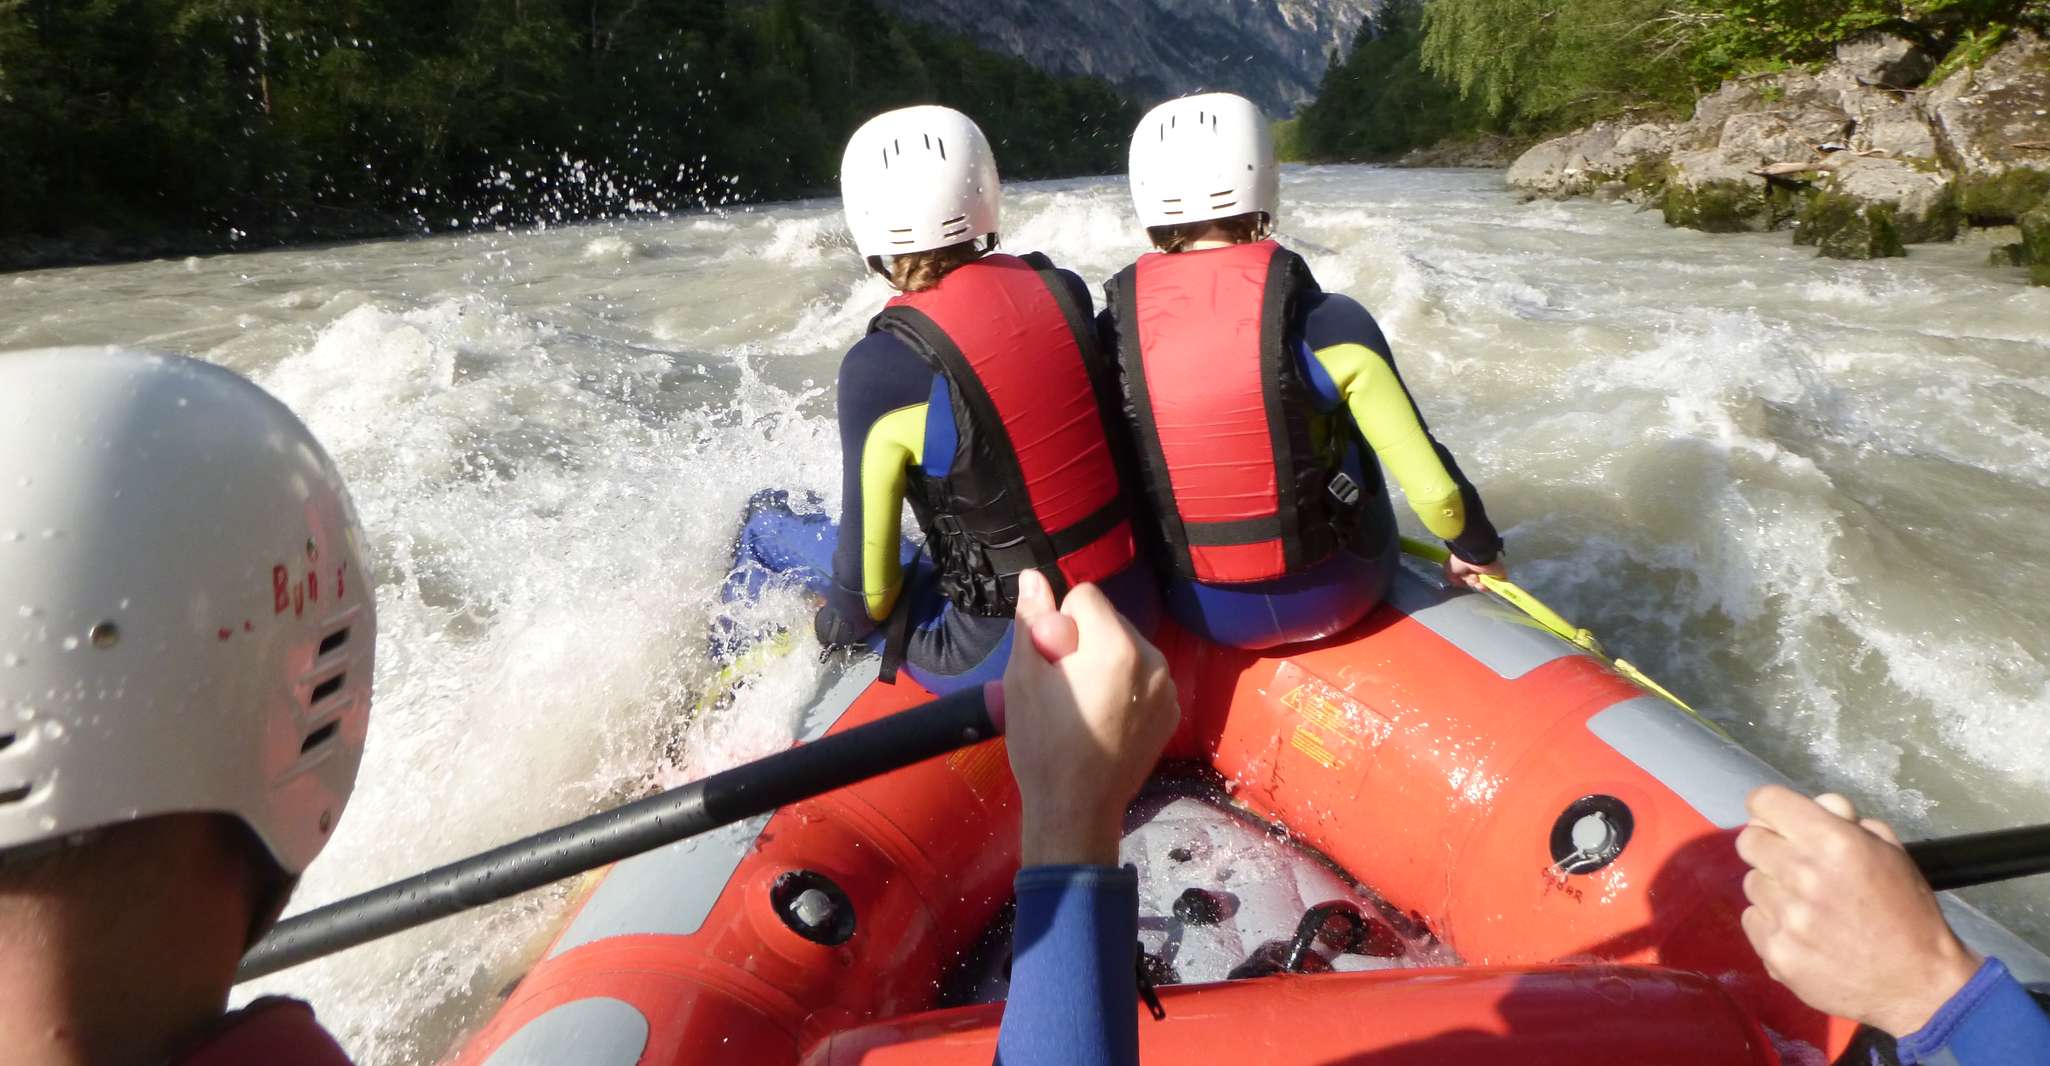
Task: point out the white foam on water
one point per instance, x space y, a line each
546 553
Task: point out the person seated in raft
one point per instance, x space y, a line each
979 394
1248 390
149 831
1088 707
1840 915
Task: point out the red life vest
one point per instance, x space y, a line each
1032 484
1222 413
272 1031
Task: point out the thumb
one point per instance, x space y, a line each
1041 624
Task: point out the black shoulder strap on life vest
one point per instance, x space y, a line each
1287 427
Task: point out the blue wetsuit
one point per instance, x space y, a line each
1357 391
892 404
1074 989
1990 1022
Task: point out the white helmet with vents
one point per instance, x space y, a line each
1204 157
916 179
186 618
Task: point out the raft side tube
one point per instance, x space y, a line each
1572 1016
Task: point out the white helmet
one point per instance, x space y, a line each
918 178
1204 157
186 618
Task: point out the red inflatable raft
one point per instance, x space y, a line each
1497 848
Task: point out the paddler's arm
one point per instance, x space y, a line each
1087 705
1347 349
882 402
1991 1020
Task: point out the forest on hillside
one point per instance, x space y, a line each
1429 70
264 120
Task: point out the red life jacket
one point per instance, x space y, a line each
1032 484
1222 413
272 1031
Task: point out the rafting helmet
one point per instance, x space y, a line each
916 179
186 618
1204 157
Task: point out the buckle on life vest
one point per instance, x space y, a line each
1345 490
946 524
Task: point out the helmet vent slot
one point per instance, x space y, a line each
15 794
6 741
320 736
332 641
943 147
325 689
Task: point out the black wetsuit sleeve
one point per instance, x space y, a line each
1332 320
880 375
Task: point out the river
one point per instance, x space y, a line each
1808 495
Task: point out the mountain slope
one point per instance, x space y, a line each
1273 51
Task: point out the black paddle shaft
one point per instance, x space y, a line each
800 773
1982 858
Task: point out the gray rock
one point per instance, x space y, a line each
1885 59
1919 197
1579 163
1709 190
1889 124
1986 119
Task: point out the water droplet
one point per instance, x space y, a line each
10 659
26 611
10 535
26 713
53 729
182 401
48 823
70 643
25 481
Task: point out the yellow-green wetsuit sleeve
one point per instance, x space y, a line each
1387 418
895 443
1350 367
884 392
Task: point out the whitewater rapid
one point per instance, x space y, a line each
1810 496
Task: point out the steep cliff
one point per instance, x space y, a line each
1273 51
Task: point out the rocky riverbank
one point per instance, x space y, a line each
1876 151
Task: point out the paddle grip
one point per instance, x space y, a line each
799 773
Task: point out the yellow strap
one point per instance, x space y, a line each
1556 624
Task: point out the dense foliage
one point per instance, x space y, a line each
1428 69
1379 101
292 116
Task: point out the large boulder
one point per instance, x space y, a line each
1886 60
1993 125
1587 160
1919 194
1867 208
1718 189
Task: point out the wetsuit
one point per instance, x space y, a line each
897 414
1074 996
1355 390
1990 1022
